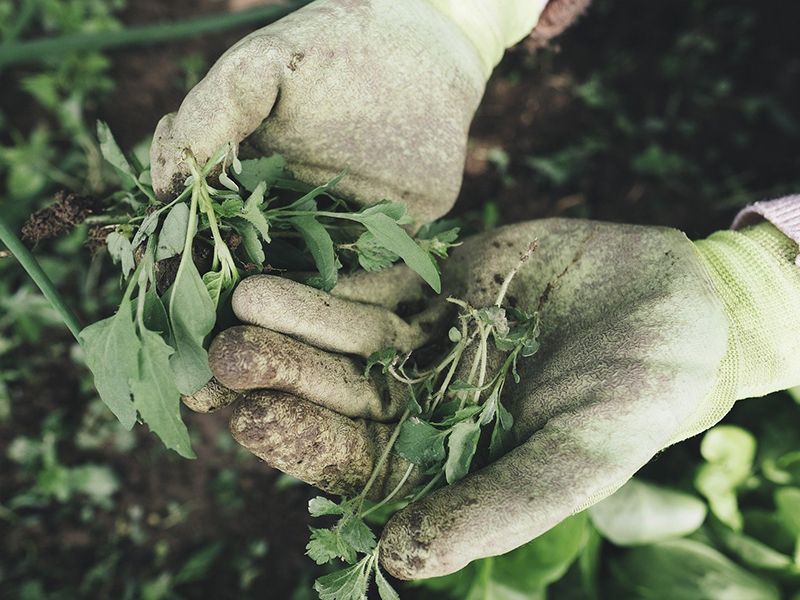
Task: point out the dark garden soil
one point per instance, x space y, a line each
531 109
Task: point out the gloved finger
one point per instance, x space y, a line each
250 358
225 107
577 458
326 321
321 447
398 288
212 397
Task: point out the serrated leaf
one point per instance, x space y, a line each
461 446
114 156
112 354
252 212
173 232
320 506
119 247
156 396
347 584
372 256
420 443
320 245
392 237
258 170
230 207
146 229
385 358
356 534
326 545
385 590
192 315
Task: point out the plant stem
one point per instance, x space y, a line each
64 45
507 281
39 277
382 459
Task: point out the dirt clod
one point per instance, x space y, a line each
68 211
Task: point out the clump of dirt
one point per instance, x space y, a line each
68 211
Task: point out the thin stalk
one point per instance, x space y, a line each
36 50
392 493
507 281
39 277
382 459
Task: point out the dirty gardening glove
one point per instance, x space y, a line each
646 339
387 88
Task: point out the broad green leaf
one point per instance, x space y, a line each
420 443
156 396
642 513
372 256
752 552
213 281
729 452
121 251
347 584
112 153
112 354
320 506
787 500
173 232
256 171
192 316
385 590
356 534
689 570
251 211
320 245
155 315
461 446
394 238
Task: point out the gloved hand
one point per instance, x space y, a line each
386 87
646 339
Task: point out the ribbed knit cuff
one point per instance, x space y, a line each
783 213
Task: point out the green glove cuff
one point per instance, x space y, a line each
492 25
756 277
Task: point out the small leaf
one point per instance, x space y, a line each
228 182
251 211
253 247
192 316
420 443
381 357
230 207
454 335
146 229
372 256
112 354
265 170
347 584
173 233
213 281
461 445
385 590
156 396
155 315
112 153
321 247
119 247
325 546
394 210
392 237
356 534
320 506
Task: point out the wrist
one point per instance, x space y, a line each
756 277
492 25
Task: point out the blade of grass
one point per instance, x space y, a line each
39 277
35 50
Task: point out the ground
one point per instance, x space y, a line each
673 113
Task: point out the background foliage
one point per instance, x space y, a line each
673 113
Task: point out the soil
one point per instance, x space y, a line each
530 110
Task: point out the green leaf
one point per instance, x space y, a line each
213 281
385 358
794 393
119 247
394 238
156 396
420 443
173 232
787 499
199 564
439 244
250 241
112 354
688 570
251 211
461 445
112 153
642 513
258 170
394 210
146 229
320 506
301 203
192 315
321 246
385 590
326 545
752 552
230 207
155 315
357 534
372 256
496 317
347 584
729 452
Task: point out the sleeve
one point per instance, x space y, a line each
783 213
493 25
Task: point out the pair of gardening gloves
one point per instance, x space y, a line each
647 338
